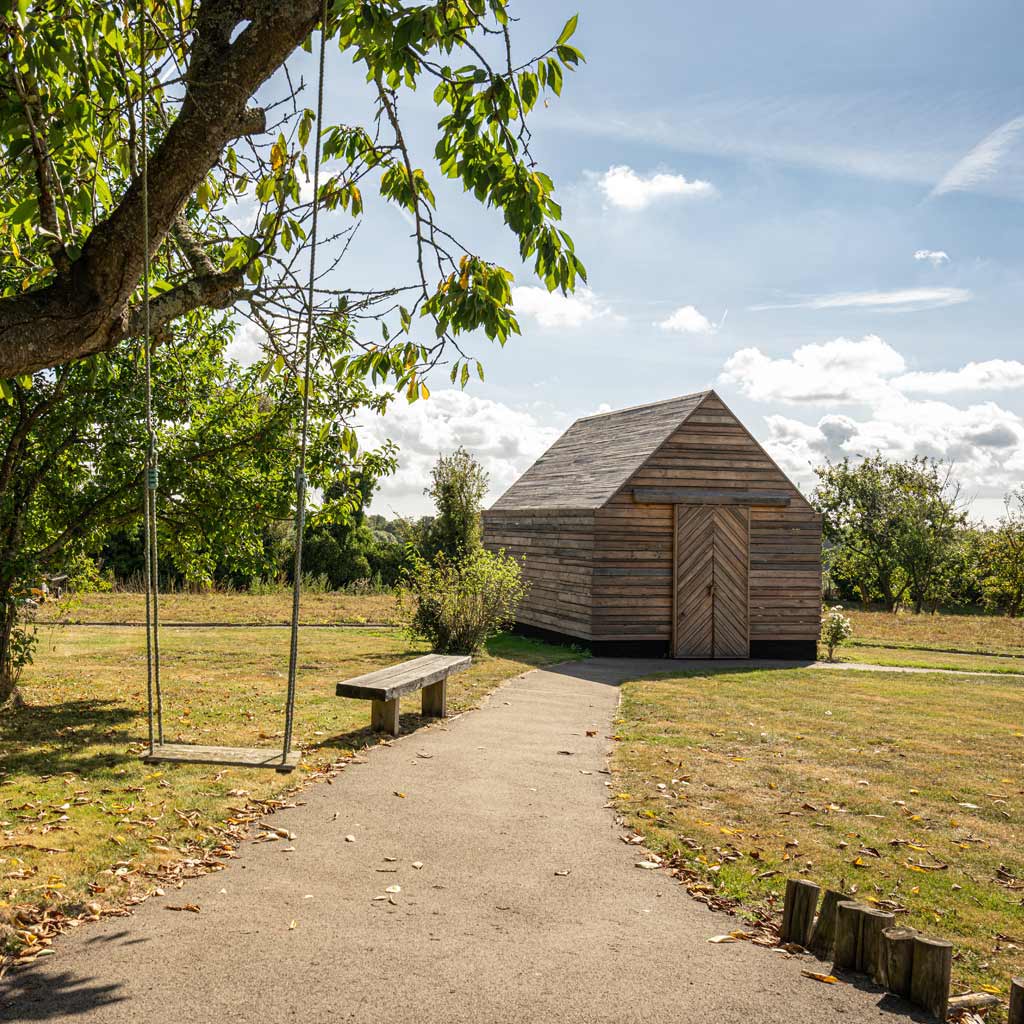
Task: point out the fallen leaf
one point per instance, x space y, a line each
400 794
723 938
417 864
648 865
562 873
591 732
292 925
828 979
350 839
191 907
393 889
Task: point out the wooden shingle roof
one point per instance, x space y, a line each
597 455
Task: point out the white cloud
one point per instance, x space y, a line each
994 165
983 440
990 375
903 300
687 320
936 257
553 309
838 371
624 188
505 440
247 346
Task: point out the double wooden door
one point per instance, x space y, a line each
712 564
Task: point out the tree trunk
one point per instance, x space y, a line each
8 690
9 695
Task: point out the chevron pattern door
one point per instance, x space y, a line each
711 608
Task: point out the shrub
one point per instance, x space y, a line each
457 605
836 629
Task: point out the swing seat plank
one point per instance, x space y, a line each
387 685
241 757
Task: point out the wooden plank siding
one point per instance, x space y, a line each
556 549
713 450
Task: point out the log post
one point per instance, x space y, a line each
798 910
897 960
929 983
848 926
1016 1001
823 934
873 923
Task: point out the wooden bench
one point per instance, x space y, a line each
386 686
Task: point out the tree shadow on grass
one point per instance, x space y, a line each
50 739
27 994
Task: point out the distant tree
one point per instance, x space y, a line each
458 486
891 527
1002 559
933 518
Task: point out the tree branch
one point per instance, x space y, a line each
83 310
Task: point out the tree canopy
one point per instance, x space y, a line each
71 200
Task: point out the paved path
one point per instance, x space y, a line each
484 932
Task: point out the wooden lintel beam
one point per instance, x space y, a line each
705 496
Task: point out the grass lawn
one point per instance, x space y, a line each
317 609
908 789
871 654
82 819
986 634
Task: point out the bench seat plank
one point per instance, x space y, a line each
388 684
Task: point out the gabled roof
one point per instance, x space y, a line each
597 455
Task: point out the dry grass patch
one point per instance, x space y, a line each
258 609
903 788
76 804
991 634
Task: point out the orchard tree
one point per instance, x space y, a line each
890 527
229 219
1002 559
71 195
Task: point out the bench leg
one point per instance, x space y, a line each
435 699
384 716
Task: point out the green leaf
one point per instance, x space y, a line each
570 28
24 211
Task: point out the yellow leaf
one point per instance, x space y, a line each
828 979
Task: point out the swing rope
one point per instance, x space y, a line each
152 565
300 472
152 471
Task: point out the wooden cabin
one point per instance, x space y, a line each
664 530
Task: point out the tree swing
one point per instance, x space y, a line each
286 759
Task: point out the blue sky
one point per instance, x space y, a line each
815 208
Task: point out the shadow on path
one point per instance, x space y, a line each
27 995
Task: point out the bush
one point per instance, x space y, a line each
836 629
457 606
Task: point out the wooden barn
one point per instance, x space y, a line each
664 529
